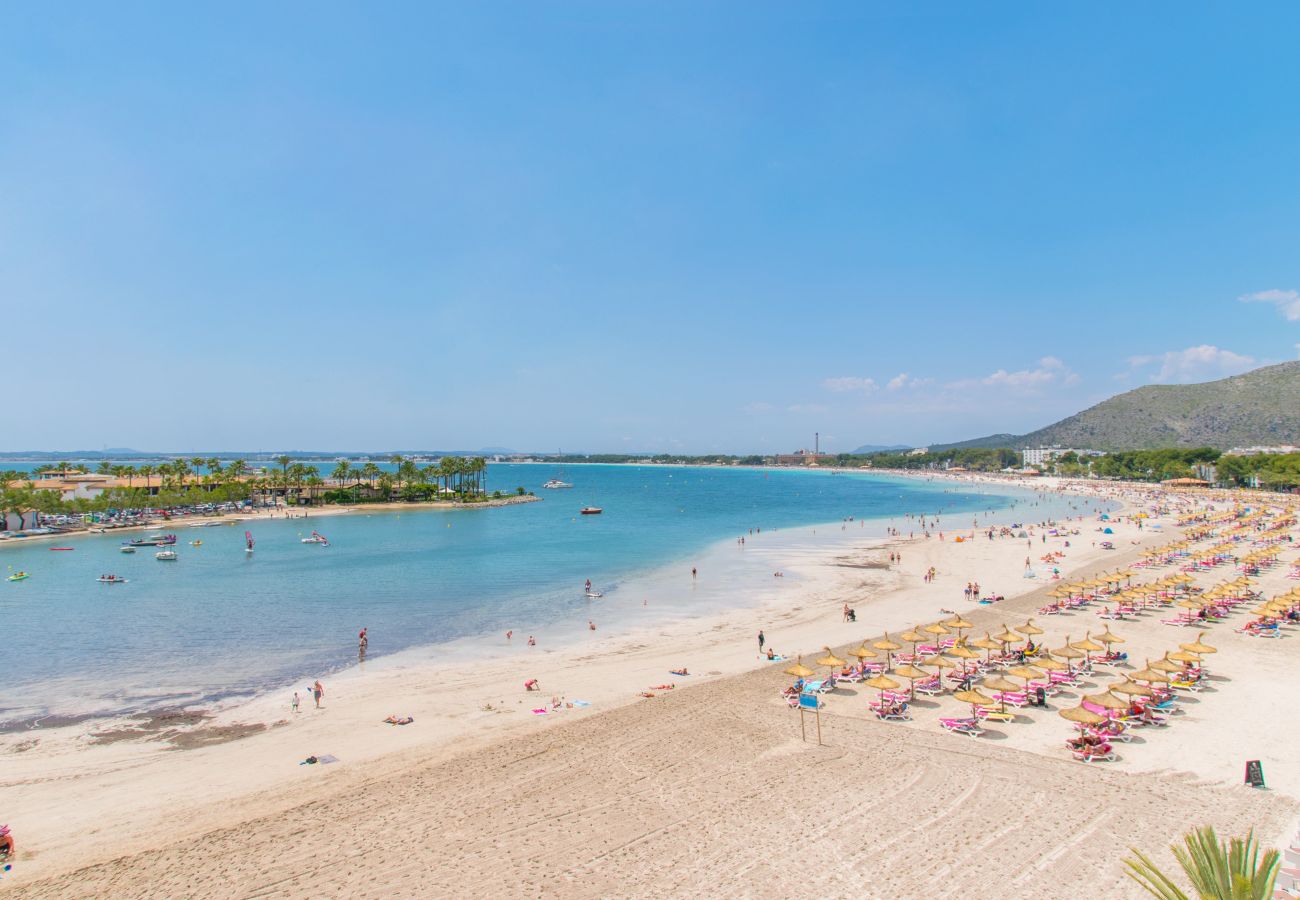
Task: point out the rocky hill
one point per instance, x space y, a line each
1259 407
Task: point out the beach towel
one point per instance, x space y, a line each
540 712
581 703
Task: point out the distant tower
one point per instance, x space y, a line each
817 443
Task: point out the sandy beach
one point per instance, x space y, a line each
704 787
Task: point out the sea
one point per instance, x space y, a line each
220 624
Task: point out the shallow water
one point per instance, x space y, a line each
219 623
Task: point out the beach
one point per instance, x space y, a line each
704 786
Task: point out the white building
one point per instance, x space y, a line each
1039 456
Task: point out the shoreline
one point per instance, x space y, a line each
467 715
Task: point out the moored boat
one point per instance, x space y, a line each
592 510
555 484
165 555
153 540
125 548
111 579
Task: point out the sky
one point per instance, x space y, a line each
634 226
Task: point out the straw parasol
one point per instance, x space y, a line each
1164 665
1128 686
974 698
1107 638
1081 715
863 652
1106 700
1029 628
1051 665
958 624
882 683
830 660
1007 636
913 637
1067 652
964 653
1000 684
1149 675
799 670
937 629
1184 656
911 673
889 647
1028 673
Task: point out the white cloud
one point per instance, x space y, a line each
847 383
1203 361
807 408
1287 302
1050 370
903 380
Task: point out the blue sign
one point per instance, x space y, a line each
809 701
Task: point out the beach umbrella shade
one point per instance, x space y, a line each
1029 628
1007 636
964 653
1028 673
1049 664
830 660
1149 675
911 673
1000 684
1165 665
913 637
1106 700
1184 656
882 683
939 663
863 652
1198 647
888 646
974 698
937 629
1130 687
799 670
1081 715
958 624
1067 652
1107 638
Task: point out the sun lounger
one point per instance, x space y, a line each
893 714
962 726
1017 699
931 688
1104 753
993 714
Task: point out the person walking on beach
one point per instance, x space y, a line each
532 641
318 691
294 704
761 639
694 574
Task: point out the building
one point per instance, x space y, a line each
803 458
1261 451
1040 456
919 451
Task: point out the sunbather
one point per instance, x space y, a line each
399 720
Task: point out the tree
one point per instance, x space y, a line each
284 461
371 472
397 459
105 468
1234 871
342 472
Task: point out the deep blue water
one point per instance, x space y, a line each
218 622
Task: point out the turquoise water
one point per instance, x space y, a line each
218 623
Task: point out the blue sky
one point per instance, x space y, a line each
630 226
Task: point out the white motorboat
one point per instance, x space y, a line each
316 538
112 579
556 484
126 549
593 595
165 555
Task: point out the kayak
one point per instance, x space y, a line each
18 577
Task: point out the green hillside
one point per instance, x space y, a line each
1259 407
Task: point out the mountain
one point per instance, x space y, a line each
1258 408
881 448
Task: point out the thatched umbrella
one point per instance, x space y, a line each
799 670
1081 715
830 660
911 673
889 647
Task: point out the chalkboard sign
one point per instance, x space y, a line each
1255 773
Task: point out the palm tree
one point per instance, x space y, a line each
342 472
105 468
237 469
214 465
284 465
397 459
371 471
1234 871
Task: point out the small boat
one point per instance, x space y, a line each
206 524
112 579
165 555
196 543
592 510
556 484
593 595
153 540
18 576
62 548
316 538
126 549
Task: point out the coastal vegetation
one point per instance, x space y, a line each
1217 871
193 481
